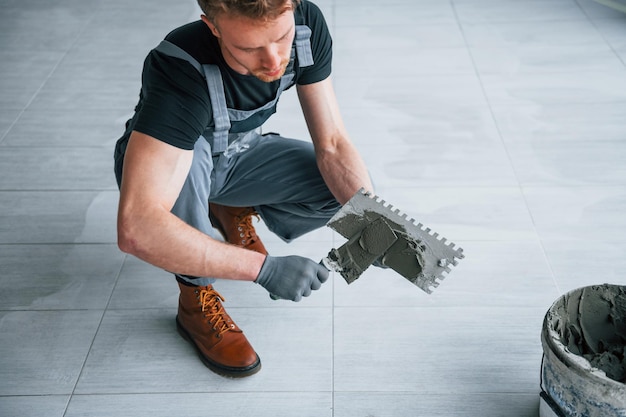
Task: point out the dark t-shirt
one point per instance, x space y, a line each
174 104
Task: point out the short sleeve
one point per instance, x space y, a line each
175 105
321 46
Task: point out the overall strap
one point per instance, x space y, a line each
215 86
168 48
220 111
303 46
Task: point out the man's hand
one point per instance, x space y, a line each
291 277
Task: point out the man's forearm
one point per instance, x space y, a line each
343 170
162 239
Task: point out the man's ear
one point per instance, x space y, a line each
211 25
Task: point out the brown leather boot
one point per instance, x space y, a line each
221 345
235 224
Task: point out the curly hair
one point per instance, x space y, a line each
254 9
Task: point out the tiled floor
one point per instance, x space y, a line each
498 123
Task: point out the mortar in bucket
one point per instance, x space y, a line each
583 371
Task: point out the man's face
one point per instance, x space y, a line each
252 47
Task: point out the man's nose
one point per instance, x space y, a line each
271 59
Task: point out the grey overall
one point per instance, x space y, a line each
277 176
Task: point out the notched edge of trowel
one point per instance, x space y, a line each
438 254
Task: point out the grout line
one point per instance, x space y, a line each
616 5
104 311
36 93
593 23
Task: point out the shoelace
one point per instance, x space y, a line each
211 302
246 230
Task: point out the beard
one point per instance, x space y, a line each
262 74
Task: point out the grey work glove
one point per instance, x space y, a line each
291 277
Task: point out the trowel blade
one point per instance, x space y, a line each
419 256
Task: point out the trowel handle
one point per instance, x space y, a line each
326 263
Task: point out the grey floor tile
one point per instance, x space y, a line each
374 63
452 163
579 213
613 31
140 351
143 286
554 163
58 216
488 11
528 34
48 168
561 122
7 118
597 10
45 351
621 52
128 10
373 2
246 404
579 264
452 405
34 406
75 95
23 74
62 10
547 142
398 93
431 144
25 67
62 128
435 123
77 75
122 51
407 37
556 88
63 21
395 14
437 350
17 98
59 277
546 59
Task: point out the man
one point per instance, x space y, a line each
192 159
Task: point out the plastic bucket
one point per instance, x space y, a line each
583 371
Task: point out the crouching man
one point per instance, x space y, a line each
192 163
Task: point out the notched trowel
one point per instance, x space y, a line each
378 233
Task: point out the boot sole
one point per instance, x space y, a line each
227 371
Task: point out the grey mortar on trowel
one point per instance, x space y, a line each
382 240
